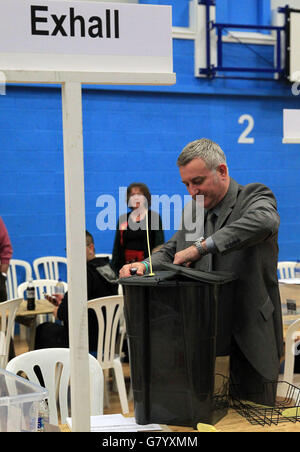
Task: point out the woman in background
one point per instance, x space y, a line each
5 256
130 243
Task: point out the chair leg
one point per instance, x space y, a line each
23 335
121 385
58 372
106 402
130 393
115 389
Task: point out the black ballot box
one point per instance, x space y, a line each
179 325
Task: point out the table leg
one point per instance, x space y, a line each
30 323
31 331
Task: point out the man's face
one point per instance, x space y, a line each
90 251
199 180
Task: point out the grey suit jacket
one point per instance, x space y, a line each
246 240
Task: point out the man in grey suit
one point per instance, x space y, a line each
240 236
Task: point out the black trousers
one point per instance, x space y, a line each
51 335
297 365
3 297
246 382
3 294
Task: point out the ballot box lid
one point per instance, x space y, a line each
217 277
149 280
177 274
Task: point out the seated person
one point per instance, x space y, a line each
49 334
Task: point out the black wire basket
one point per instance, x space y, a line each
286 407
221 391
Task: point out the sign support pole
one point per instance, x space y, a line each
76 253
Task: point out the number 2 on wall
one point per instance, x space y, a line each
244 137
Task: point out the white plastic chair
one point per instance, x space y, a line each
108 328
286 269
50 264
8 310
54 364
16 266
104 255
18 272
288 375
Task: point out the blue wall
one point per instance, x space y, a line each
136 133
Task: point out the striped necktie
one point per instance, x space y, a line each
209 229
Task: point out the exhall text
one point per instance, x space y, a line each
74 25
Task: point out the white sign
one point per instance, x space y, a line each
291 126
294 46
85 36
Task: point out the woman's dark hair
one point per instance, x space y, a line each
144 189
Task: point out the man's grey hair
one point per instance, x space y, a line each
204 149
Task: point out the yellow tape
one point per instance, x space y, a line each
206 428
148 243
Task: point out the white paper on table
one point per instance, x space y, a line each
116 423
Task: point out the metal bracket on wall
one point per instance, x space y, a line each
212 70
286 10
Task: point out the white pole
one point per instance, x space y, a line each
76 255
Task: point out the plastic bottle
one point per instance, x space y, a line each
33 415
297 270
30 296
59 288
43 415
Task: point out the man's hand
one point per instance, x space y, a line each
125 270
4 268
58 297
187 256
55 299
